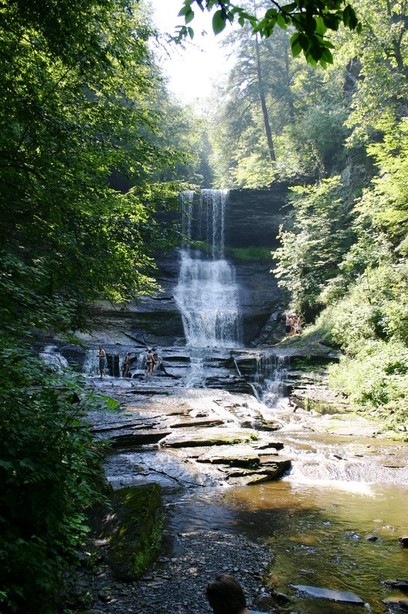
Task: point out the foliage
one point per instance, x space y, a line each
314 245
276 118
50 472
381 95
375 307
311 21
376 379
72 117
85 169
250 253
347 254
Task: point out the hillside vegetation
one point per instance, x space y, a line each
339 137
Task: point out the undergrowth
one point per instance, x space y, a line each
50 473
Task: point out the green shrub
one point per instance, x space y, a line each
376 307
376 379
50 472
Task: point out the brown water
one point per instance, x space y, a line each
319 535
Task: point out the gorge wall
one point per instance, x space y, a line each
252 220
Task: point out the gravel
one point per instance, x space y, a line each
178 581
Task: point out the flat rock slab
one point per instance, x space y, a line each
138 438
196 422
326 593
210 437
258 476
242 455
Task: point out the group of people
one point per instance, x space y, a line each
153 362
226 596
294 324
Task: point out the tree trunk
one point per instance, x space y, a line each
263 103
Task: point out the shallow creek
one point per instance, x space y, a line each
333 522
320 535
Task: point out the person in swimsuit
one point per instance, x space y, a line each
149 362
102 361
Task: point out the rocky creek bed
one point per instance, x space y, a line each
187 440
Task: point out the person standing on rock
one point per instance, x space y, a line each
157 360
126 365
149 362
102 361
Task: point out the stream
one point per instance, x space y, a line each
341 536
332 522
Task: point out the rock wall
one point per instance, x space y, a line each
252 219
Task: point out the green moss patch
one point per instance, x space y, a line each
133 525
251 253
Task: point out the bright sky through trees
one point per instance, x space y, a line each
194 69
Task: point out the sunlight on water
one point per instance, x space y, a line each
364 488
340 538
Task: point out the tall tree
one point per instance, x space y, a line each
76 102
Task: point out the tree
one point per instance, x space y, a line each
315 244
312 20
305 108
77 102
381 82
78 93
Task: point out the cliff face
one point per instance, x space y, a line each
252 219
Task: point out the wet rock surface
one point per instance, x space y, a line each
192 555
191 438
196 440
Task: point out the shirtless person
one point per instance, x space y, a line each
102 361
149 362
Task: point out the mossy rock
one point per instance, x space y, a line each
138 524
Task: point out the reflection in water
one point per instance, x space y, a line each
331 538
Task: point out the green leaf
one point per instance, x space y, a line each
218 22
185 9
326 56
294 44
321 27
282 22
189 16
349 17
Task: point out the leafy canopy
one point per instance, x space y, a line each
311 19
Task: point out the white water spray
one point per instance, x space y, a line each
207 293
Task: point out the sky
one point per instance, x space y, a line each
191 71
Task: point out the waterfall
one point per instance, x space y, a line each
53 358
207 293
270 375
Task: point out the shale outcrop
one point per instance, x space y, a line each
191 438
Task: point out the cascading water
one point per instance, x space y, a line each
207 293
269 376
